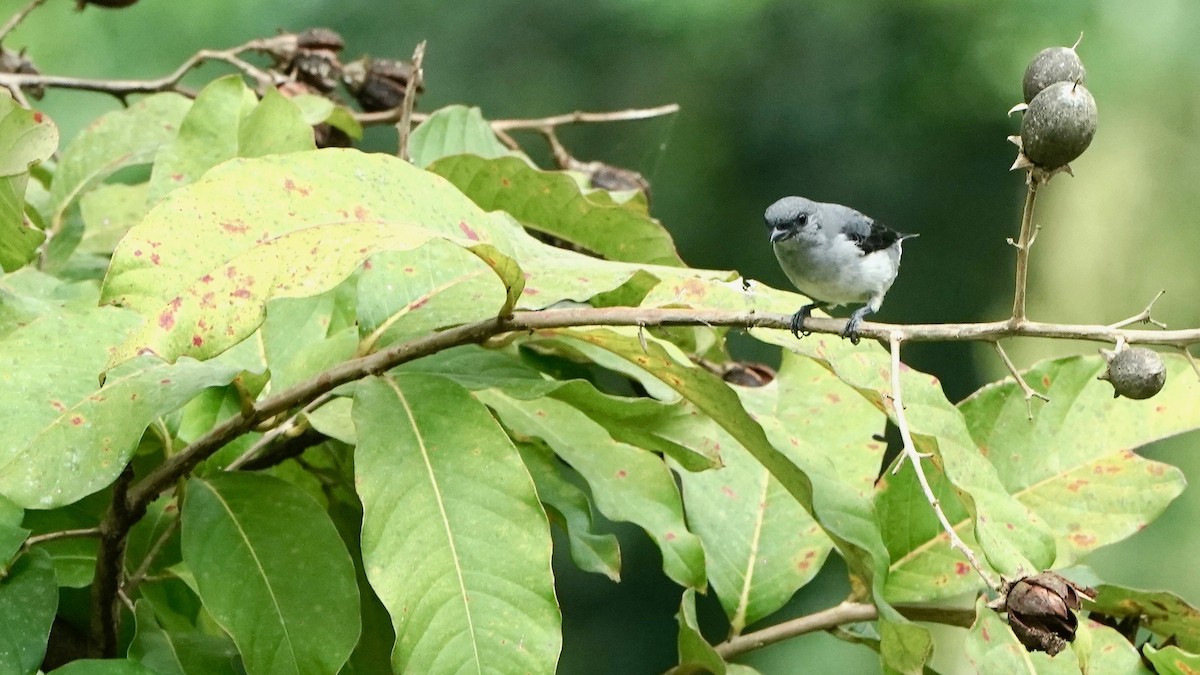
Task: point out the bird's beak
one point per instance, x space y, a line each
779 234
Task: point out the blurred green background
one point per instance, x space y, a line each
896 108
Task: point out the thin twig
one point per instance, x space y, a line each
1030 394
1142 316
61 534
1023 245
139 574
16 19
287 427
581 117
1187 354
404 124
909 451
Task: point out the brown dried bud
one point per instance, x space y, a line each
615 178
1040 611
748 374
318 67
379 84
80 4
16 62
320 38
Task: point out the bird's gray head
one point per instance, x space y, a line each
789 216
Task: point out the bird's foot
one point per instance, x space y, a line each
798 320
852 324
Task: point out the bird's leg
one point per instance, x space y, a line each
851 329
799 317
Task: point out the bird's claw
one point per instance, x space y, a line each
851 329
798 321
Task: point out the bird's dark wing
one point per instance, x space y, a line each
871 236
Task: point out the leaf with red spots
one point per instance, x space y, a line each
1172 660
26 137
627 483
66 437
276 227
19 240
991 647
551 202
454 541
1073 463
126 137
453 130
1160 612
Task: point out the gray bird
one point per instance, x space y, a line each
834 255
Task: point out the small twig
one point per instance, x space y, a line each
1142 316
909 452
291 428
16 19
1187 354
139 574
1030 394
404 124
1023 245
61 534
579 117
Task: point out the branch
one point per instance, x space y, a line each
102 640
847 612
1142 316
61 534
16 19
1023 244
404 124
580 117
909 451
1030 394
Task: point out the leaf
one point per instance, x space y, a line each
118 139
1160 612
1104 651
627 483
272 571
1172 660
171 653
552 203
12 535
405 294
69 438
275 126
569 506
992 648
19 241
1073 464
696 655
28 601
102 667
904 647
333 419
453 130
316 110
454 541
207 136
305 336
26 137
74 560
108 213
203 263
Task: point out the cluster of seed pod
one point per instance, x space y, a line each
1060 113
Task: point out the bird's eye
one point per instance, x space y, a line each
802 219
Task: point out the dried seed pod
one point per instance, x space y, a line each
318 67
615 178
379 84
320 38
112 4
16 62
1058 126
1040 611
748 374
1136 373
1053 64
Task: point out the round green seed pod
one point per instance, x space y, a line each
1053 64
1059 125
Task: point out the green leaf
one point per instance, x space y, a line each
991 646
454 541
1159 612
453 130
405 294
74 560
173 653
904 647
696 655
102 667
272 571
69 438
27 294
203 263
1172 660
26 137
552 203
318 110
19 241
304 336
108 213
122 138
334 420
1104 651
275 126
12 535
627 483
1073 464
28 601
569 506
207 136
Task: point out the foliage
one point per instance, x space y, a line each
280 381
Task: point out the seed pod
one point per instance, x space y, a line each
1040 611
80 4
1136 373
1058 126
1053 64
378 84
318 67
320 38
16 62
